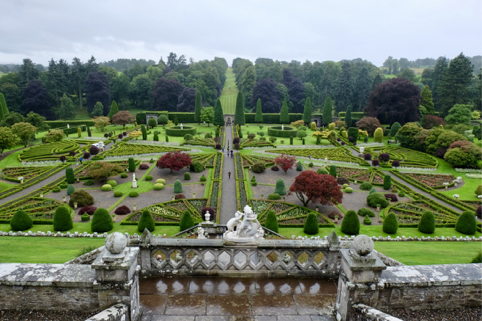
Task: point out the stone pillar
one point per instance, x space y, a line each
117 275
359 278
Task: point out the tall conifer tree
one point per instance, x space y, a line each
259 112
348 116
427 100
307 112
114 109
218 114
197 107
328 111
284 117
239 113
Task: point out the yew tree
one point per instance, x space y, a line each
317 188
174 161
123 118
285 162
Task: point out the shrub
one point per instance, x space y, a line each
70 189
63 185
373 190
148 178
274 196
21 221
62 219
392 197
69 175
177 186
427 223
132 165
162 119
146 222
466 223
179 197
101 221
203 178
401 194
390 224
208 135
377 199
122 210
186 221
94 150
477 258
299 167
342 180
387 182
143 166
366 212
89 210
311 224
322 170
258 167
375 162
112 182
82 198
478 212
396 163
333 170
160 181
394 189
123 175
86 155
272 140
85 217
218 146
478 190
365 186
350 224
310 165
158 187
367 156
272 222
384 157
56 189
118 194
188 137
196 167
211 212
349 190
187 176
275 168
280 188
106 188
133 194
367 220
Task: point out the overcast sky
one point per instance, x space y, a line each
314 30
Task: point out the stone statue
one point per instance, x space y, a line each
200 233
244 227
282 127
68 126
181 126
232 223
134 182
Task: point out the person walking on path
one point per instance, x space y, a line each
229 175
222 149
80 160
232 153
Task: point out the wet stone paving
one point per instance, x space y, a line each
237 299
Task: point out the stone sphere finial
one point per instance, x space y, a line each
115 243
362 245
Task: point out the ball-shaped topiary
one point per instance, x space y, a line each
203 178
21 221
148 178
186 221
390 224
366 212
158 187
124 175
427 223
162 120
118 194
311 224
133 194
85 217
62 219
478 190
70 189
322 170
367 220
258 167
178 186
377 199
101 221
187 176
161 181
106 188
82 198
196 167
211 212
348 190
146 222
112 182
122 210
272 222
466 223
89 210
280 187
365 186
351 223
274 196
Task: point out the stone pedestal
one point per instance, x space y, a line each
359 278
117 275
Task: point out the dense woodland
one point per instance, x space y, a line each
171 85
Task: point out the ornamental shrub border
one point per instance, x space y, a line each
241 186
178 132
338 154
277 132
412 158
214 195
51 151
39 209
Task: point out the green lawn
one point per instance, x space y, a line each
229 93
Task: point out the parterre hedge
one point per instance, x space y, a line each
177 131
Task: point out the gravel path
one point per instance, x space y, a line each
228 203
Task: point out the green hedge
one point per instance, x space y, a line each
72 124
270 118
182 117
177 131
354 114
277 132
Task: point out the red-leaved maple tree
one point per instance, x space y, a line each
317 188
285 162
174 161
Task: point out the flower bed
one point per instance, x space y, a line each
136 149
37 208
407 157
332 154
206 159
431 180
51 151
411 212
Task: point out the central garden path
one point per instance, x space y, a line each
228 200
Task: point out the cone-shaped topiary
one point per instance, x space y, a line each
427 223
186 221
280 187
272 222
70 189
178 186
187 176
311 224
466 223
21 221
146 222
101 221
390 224
62 219
350 224
333 170
387 182
69 175
132 165
299 167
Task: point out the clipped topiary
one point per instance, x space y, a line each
387 182
161 181
148 178
112 182
196 167
122 210
124 175
89 210
367 220
70 189
348 190
427 223
478 190
377 199
146 222
203 178
158 187
466 223
69 175
280 188
132 165
82 198
106 188
187 176
177 186
365 186
350 224
373 190
366 212
85 217
274 196
311 224
101 221
390 224
333 170
272 222
258 167
62 219
322 170
179 197
299 167
186 221
21 221
133 194
118 194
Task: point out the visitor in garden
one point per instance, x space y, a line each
80 160
222 148
229 175
232 153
